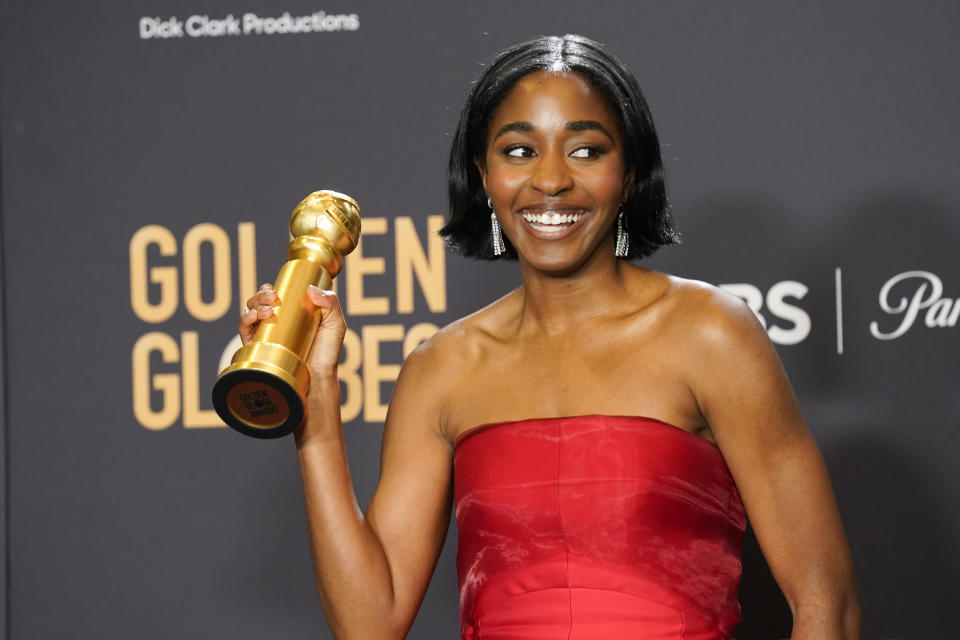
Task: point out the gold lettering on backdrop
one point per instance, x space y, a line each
430 272
360 393
178 381
193 415
351 402
140 280
192 276
168 384
358 266
374 372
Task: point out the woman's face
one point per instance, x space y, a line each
555 171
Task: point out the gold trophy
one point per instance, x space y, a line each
264 390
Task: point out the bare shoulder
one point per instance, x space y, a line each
731 366
709 316
438 369
455 345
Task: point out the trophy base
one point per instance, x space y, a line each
257 402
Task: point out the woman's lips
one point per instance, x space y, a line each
552 223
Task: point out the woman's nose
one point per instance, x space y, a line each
551 174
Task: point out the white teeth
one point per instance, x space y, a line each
551 217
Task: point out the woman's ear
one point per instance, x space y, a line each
482 169
627 184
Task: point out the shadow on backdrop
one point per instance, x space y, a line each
903 547
896 405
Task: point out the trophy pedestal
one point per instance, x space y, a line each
260 397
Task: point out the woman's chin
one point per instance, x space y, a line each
557 262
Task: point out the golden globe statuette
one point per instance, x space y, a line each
264 390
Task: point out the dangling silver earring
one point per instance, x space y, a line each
496 236
622 247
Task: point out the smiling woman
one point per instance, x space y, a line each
630 421
647 219
555 171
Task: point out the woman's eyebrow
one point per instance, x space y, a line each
574 125
522 127
587 125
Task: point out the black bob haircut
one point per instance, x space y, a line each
647 217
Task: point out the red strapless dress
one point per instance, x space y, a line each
595 527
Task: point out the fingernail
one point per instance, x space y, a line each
265 308
323 292
266 287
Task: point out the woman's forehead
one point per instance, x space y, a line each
548 97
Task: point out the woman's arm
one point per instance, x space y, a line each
372 570
745 396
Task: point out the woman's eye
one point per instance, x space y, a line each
519 151
585 152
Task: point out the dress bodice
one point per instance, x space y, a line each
595 527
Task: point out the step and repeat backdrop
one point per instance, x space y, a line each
151 155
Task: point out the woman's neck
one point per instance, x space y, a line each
553 304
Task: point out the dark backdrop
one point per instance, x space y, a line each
812 153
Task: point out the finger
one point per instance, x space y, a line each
259 307
265 295
329 305
248 325
325 353
268 297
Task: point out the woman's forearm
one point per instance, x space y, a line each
838 619
352 572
